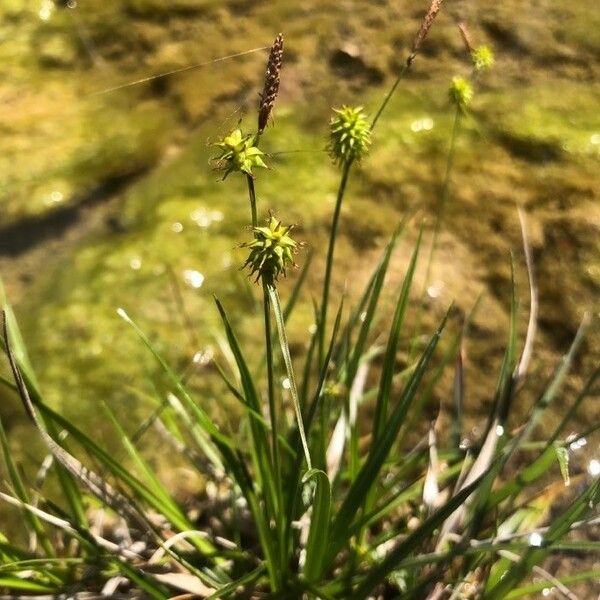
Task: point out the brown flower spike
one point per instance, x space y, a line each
466 37
426 24
271 87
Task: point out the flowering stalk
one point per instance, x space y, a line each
267 100
422 34
329 260
240 153
420 37
271 252
460 94
349 141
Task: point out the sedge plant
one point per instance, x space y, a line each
305 510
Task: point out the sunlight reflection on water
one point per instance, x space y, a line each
425 124
204 218
193 278
46 10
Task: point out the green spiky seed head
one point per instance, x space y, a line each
271 251
461 92
349 134
483 58
238 153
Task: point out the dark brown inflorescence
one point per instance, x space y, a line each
271 87
426 24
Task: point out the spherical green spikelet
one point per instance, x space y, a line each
271 251
238 153
461 92
349 134
483 58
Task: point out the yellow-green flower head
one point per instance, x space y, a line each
271 251
238 153
461 92
483 58
349 134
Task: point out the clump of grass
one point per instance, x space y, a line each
298 506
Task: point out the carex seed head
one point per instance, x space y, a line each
238 153
271 251
461 92
349 134
483 58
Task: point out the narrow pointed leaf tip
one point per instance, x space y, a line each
121 312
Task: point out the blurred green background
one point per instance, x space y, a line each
107 198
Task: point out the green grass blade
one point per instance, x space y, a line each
373 293
408 494
502 581
506 380
168 507
260 450
458 397
234 587
68 486
145 582
295 294
369 472
260 440
21 493
295 488
18 584
308 361
533 589
312 409
319 525
287 359
251 411
198 413
554 385
17 344
419 537
585 392
385 388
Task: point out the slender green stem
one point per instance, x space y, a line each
252 197
268 340
329 260
336 214
389 95
445 191
274 420
275 455
271 387
438 222
287 359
